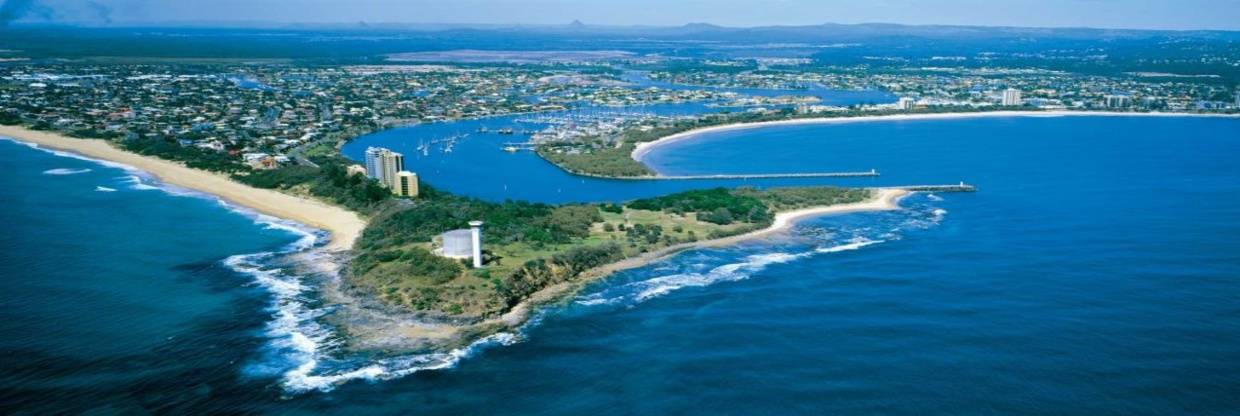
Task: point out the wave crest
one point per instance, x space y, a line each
640 291
65 171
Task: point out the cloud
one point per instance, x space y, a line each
77 11
16 9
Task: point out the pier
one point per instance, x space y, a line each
960 187
870 173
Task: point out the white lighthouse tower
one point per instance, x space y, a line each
475 228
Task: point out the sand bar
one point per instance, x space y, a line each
345 226
645 148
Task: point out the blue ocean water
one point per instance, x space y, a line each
478 166
1095 272
116 295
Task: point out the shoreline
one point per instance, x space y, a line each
644 148
883 199
344 226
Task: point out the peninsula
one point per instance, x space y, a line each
533 252
270 136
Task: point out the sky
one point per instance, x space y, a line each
1134 14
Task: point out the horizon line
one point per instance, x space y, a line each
360 25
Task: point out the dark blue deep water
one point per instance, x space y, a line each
1097 271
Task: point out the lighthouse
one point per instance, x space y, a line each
475 229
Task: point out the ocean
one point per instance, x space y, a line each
1095 272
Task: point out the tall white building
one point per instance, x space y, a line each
406 184
1011 97
1118 101
905 103
374 162
393 163
383 164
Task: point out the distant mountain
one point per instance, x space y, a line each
845 32
708 31
835 43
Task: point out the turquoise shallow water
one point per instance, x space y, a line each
1095 273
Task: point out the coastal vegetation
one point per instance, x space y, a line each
193 157
532 246
529 246
330 181
595 160
294 109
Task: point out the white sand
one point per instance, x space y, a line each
344 225
645 148
883 199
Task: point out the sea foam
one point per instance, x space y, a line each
300 349
64 171
302 353
295 335
643 290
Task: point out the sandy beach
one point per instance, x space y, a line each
645 148
345 226
883 199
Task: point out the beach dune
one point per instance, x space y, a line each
345 226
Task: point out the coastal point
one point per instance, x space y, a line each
619 208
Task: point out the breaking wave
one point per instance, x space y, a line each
73 155
838 234
135 182
643 290
300 352
65 171
847 247
304 355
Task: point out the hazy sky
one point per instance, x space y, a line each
1152 14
